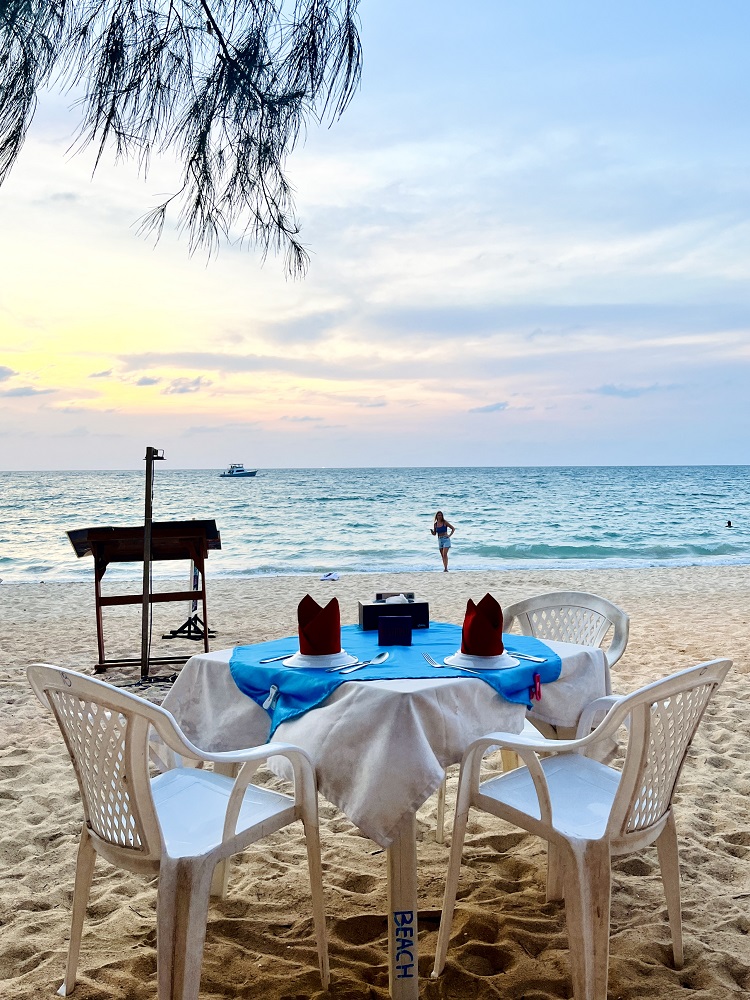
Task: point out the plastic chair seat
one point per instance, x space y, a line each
581 792
192 804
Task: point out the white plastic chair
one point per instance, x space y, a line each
179 824
589 812
571 616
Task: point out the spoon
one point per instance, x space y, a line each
378 658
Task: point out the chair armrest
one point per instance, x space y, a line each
527 748
540 744
519 742
590 712
258 754
305 789
172 735
619 642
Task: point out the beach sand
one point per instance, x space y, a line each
506 942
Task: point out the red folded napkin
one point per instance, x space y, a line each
482 633
319 628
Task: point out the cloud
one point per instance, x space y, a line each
78 410
490 408
372 404
59 196
350 368
220 428
26 390
631 391
104 374
302 420
179 386
148 380
6 373
231 364
546 320
305 329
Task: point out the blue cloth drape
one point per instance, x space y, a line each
299 690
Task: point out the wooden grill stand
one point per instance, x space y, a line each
169 540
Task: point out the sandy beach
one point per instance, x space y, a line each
507 942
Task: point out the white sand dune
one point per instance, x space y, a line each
507 942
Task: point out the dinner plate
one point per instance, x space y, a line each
342 659
503 662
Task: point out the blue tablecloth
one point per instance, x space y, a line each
299 690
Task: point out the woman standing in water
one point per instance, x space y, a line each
443 529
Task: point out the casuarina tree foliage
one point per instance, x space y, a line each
226 85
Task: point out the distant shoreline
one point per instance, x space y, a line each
135 575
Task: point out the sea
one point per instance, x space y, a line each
302 521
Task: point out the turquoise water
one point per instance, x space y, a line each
360 520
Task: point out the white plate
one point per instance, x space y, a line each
342 659
502 662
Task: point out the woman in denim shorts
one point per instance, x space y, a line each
443 529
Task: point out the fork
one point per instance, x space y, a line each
434 663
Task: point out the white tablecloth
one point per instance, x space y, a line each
379 748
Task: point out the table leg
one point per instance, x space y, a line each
403 963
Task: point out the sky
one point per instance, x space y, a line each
530 245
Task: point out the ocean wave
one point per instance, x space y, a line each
659 552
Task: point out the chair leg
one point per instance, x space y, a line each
84 874
220 880
555 881
440 821
312 842
587 900
451 888
167 901
669 862
182 911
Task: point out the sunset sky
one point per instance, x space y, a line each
530 245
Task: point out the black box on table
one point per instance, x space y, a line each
370 612
394 630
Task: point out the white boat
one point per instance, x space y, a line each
238 471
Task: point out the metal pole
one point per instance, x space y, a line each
151 454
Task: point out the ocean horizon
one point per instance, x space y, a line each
321 520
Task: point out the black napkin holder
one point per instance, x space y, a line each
394 630
370 613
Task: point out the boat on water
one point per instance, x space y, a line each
238 471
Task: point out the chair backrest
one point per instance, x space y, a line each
664 717
106 731
570 616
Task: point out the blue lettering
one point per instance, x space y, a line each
403 921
